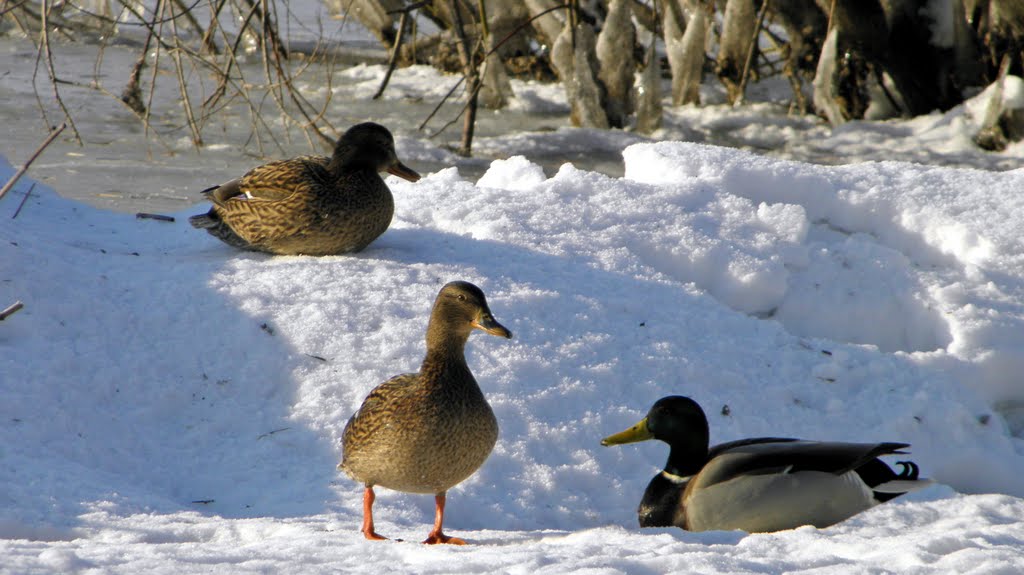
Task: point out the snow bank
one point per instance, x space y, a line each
171 404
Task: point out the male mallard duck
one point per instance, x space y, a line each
312 205
426 432
759 484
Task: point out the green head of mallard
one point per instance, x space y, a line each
369 146
678 421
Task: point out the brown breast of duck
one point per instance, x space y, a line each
455 431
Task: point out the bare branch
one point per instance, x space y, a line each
45 42
142 22
23 200
750 53
197 138
9 8
10 310
507 37
395 50
21 171
471 72
149 216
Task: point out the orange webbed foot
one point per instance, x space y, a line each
436 538
373 536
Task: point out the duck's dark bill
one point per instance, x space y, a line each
488 324
404 172
638 432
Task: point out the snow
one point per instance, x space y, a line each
170 405
173 406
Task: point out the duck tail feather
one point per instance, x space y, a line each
910 470
901 486
205 221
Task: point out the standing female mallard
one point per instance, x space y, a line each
312 205
759 484
426 432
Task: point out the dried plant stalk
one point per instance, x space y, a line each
24 168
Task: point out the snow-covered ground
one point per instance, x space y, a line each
172 406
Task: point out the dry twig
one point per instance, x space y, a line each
11 310
23 200
149 216
271 432
397 48
214 51
507 37
7 9
44 49
21 171
197 138
750 53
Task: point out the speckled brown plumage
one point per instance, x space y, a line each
312 205
426 432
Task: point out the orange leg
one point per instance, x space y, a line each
436 536
368 497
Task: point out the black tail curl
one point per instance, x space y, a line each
909 471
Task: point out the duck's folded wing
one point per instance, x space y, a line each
752 457
391 389
275 181
723 447
380 398
241 189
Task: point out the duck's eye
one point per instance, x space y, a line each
462 297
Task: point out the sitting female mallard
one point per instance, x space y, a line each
760 484
426 432
312 205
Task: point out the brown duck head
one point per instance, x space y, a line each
369 146
460 308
